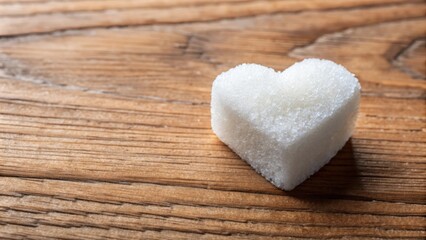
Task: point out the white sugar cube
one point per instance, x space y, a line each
289 124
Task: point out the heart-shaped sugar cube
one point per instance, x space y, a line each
288 124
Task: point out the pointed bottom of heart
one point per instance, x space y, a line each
288 166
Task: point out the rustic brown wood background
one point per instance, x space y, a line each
105 120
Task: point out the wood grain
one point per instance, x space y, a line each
105 120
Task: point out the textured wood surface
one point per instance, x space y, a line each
105 120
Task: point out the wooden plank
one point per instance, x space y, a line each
48 22
105 120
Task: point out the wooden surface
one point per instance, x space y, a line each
105 120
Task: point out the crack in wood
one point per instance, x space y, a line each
399 59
